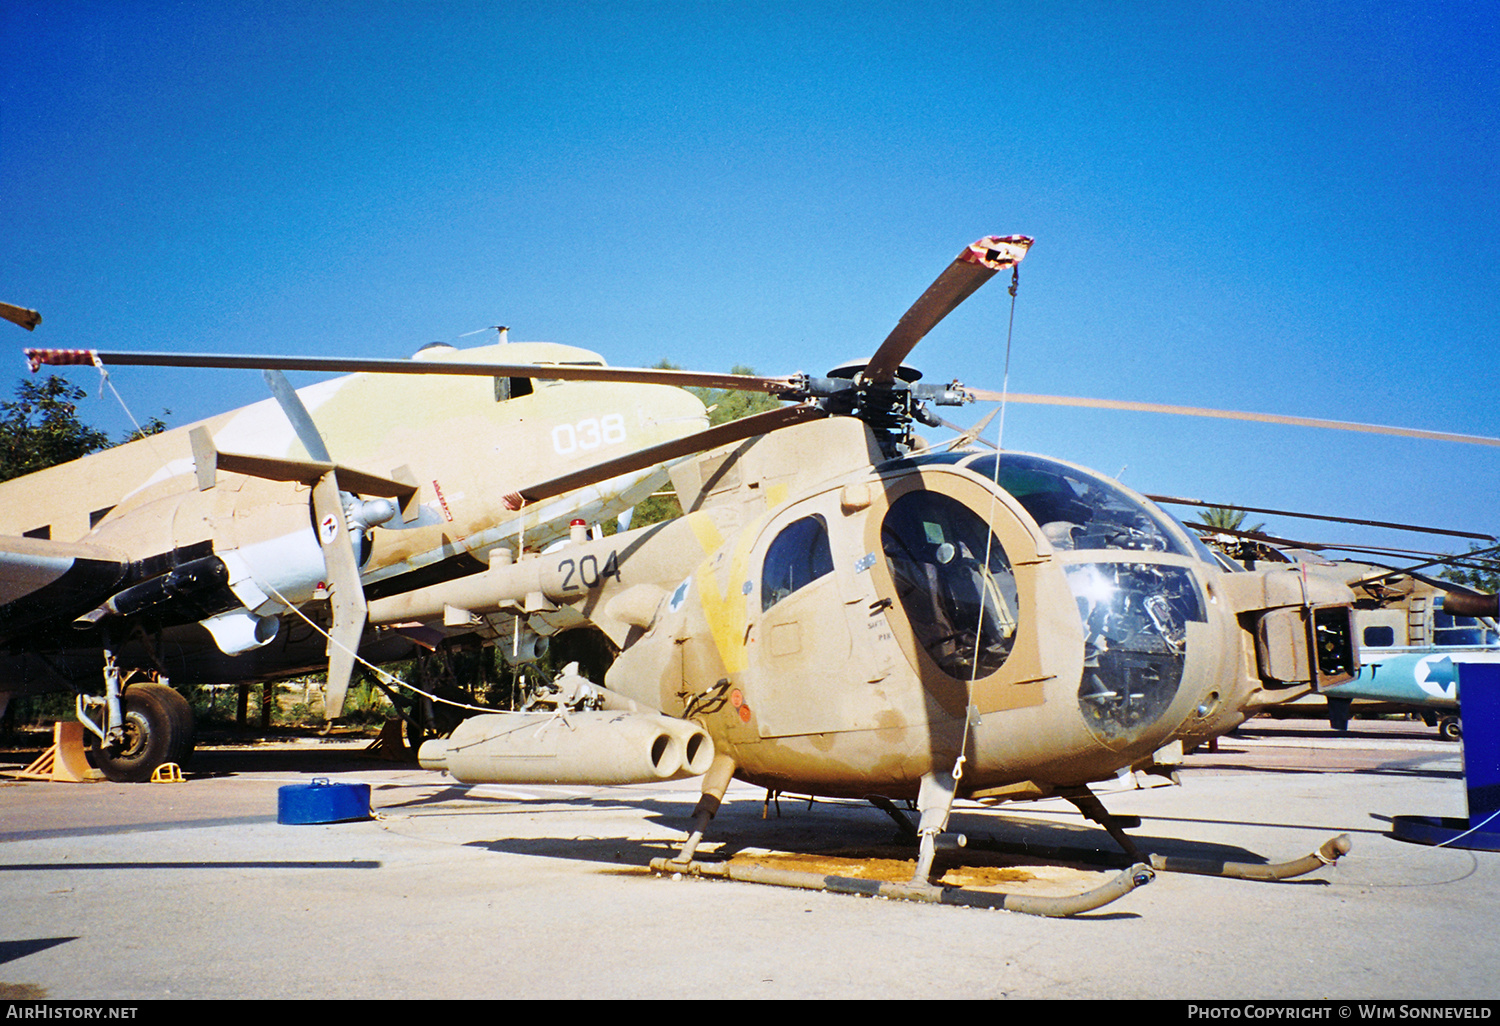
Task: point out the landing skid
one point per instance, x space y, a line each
1327 854
932 840
1087 803
916 890
919 888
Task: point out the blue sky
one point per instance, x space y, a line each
1286 208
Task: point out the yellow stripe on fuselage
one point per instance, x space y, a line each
724 602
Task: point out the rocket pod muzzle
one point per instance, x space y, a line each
601 748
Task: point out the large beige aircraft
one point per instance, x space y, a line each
187 555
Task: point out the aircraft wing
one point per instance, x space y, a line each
42 580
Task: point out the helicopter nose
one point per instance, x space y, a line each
1137 625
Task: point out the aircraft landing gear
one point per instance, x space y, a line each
140 726
1339 713
919 888
156 727
1449 728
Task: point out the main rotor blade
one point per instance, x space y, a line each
27 319
341 365
1431 562
973 267
713 438
1436 559
1314 516
984 396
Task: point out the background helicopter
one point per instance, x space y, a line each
182 555
1411 626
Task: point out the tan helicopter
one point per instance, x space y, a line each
838 613
184 555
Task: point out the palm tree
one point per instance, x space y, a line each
1225 519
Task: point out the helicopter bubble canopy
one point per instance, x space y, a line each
1139 614
1135 615
1079 510
1135 624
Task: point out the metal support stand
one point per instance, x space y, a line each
65 761
1085 801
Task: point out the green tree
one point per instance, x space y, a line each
1225 519
154 426
1480 572
725 404
40 428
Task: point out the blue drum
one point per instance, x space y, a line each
322 802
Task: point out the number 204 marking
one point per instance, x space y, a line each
589 433
588 572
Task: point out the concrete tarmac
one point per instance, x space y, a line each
194 890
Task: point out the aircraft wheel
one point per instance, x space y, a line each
446 718
1449 729
155 733
183 723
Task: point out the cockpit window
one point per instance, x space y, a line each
1135 626
799 556
512 388
1079 510
954 582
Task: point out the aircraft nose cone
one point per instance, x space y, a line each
433 755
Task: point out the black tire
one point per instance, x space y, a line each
154 733
1449 728
184 724
446 717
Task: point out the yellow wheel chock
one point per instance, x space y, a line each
167 773
65 761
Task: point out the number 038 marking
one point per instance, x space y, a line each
589 433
